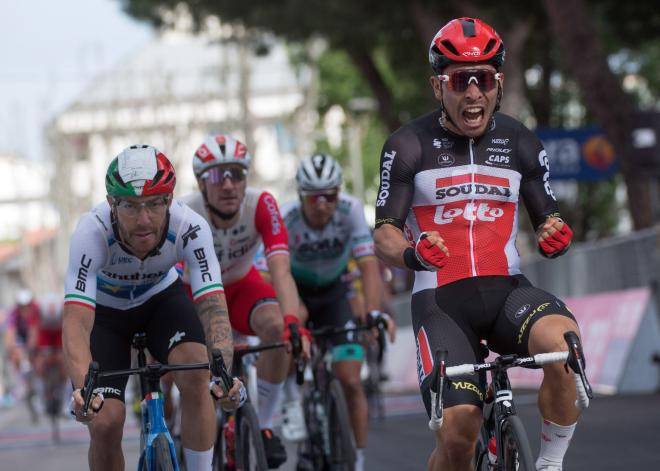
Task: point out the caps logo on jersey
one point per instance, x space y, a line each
470 185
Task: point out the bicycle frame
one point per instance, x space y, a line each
153 425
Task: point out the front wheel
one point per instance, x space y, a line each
516 452
160 454
342 443
250 452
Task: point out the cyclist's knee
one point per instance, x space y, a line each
459 432
108 426
192 383
268 323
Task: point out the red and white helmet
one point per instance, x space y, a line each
465 40
219 149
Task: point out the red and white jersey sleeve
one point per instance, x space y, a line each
269 224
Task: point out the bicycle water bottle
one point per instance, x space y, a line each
492 453
229 431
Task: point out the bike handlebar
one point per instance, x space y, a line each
574 359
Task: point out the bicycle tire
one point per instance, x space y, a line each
162 459
342 443
515 446
250 452
310 450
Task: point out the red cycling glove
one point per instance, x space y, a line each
291 319
429 255
557 244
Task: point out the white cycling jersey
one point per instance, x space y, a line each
259 220
320 256
102 271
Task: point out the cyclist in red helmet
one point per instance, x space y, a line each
121 280
447 207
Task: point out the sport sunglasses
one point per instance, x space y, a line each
217 175
460 80
318 197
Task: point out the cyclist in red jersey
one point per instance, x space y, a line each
21 329
447 207
49 338
241 217
20 339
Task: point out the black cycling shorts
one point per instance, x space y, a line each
457 316
329 307
169 318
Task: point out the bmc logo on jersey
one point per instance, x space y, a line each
470 185
471 212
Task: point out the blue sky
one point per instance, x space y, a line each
49 51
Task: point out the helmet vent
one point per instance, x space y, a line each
158 176
450 46
169 177
118 177
489 46
468 28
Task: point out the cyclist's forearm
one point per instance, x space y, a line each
371 283
283 283
77 323
212 311
390 244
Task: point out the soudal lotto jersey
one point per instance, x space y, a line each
468 190
101 270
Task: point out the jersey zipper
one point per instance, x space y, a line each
473 211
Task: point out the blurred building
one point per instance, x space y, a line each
29 225
170 94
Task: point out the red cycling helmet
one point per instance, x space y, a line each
465 40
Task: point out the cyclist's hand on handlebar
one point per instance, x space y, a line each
235 397
78 403
554 237
303 333
376 317
431 251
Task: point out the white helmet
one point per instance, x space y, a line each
219 149
318 172
23 297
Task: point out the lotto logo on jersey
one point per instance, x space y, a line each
470 185
472 211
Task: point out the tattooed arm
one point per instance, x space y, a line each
212 311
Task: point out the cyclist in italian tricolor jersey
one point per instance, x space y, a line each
241 218
325 227
121 280
447 207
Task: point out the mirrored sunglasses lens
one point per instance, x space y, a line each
483 79
217 175
321 197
